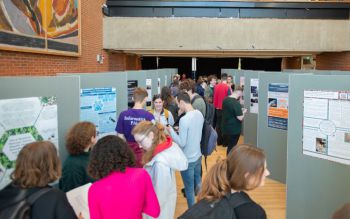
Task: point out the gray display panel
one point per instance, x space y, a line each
66 89
315 187
273 141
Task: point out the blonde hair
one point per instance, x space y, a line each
146 127
231 173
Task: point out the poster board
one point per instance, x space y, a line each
67 99
318 183
273 141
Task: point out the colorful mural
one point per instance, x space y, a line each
50 26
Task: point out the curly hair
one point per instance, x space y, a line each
79 137
188 85
37 165
110 154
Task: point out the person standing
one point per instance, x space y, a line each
221 91
189 137
232 116
161 159
128 119
209 91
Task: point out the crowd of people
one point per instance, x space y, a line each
133 172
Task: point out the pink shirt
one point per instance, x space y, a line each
123 195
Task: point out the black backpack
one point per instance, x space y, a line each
221 209
209 135
19 206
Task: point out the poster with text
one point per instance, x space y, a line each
241 84
277 109
254 95
149 92
22 121
132 84
326 125
158 85
166 80
99 106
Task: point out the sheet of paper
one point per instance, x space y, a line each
78 199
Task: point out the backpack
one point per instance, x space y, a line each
209 135
19 206
166 114
223 208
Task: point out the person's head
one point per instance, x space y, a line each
148 135
200 80
183 99
80 137
188 85
157 102
37 165
110 154
223 77
343 212
140 95
244 169
183 76
238 92
229 79
212 80
166 96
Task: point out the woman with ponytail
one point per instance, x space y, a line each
243 170
161 158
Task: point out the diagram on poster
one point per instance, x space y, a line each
22 121
99 106
277 109
254 95
132 84
149 91
326 132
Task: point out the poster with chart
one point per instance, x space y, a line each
99 106
326 125
254 95
277 109
132 84
22 121
149 92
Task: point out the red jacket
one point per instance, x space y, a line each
220 92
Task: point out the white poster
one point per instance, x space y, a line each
99 106
22 121
254 95
326 132
149 91
158 85
166 80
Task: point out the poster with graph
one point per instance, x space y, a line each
40 26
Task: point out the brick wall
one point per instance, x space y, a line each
291 63
22 63
333 61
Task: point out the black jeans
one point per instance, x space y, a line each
230 141
218 113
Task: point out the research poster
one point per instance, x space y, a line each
22 121
132 84
241 84
254 95
166 80
158 85
149 92
99 106
326 125
277 109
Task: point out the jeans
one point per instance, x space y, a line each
192 180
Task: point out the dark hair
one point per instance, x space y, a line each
188 85
110 154
211 77
224 76
37 165
182 95
343 212
166 96
230 173
156 96
79 137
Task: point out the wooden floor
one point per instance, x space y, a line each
272 197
